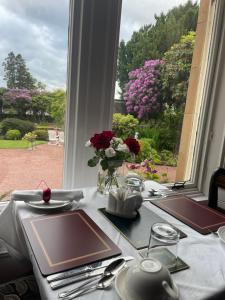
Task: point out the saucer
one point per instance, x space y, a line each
221 233
51 205
120 285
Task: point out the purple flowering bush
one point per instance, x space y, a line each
142 92
19 99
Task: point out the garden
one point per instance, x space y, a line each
152 73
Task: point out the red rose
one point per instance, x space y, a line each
133 145
102 140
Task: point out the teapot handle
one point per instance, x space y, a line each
173 294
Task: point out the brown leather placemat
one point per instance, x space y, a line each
67 240
200 217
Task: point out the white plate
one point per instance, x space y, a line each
120 285
221 233
51 205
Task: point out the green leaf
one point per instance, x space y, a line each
93 161
104 164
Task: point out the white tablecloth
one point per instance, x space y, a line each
204 254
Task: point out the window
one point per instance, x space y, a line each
33 60
94 31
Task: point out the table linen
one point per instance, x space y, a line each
204 254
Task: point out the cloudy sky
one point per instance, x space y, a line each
37 29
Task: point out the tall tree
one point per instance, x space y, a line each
176 70
17 75
10 70
24 79
152 41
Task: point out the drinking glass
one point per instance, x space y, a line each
163 244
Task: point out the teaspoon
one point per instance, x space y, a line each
103 283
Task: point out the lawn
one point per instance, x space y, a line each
8 144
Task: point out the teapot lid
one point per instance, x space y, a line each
150 265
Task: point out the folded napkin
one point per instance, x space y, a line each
36 195
124 203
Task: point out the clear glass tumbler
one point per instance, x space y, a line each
163 244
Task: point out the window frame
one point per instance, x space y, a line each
77 131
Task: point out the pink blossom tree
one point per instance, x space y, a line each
19 99
142 94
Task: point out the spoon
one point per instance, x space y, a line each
103 283
111 269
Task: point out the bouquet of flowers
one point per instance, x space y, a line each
111 152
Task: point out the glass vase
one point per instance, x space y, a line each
107 181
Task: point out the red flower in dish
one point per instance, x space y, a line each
102 140
133 145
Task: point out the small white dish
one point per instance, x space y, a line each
51 205
221 233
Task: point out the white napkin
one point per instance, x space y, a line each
56 194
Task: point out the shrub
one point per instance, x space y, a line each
13 123
124 125
142 93
30 137
147 152
13 134
168 158
42 135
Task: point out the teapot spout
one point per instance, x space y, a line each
173 294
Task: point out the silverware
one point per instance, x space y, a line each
111 269
85 269
63 282
103 283
76 278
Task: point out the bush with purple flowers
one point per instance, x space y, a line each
142 91
19 99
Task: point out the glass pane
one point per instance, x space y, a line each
157 40
33 60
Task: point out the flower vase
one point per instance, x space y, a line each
107 181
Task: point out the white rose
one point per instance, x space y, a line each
123 148
88 144
116 140
110 152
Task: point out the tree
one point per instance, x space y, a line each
57 106
10 70
176 70
40 105
142 94
19 99
24 79
152 41
17 75
2 92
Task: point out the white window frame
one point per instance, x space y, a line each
90 95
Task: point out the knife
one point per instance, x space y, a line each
76 275
85 269
63 282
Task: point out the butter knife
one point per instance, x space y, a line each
85 269
63 282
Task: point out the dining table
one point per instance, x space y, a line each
204 254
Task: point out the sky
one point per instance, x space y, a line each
37 29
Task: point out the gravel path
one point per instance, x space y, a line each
24 169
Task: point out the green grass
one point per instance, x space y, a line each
8 144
